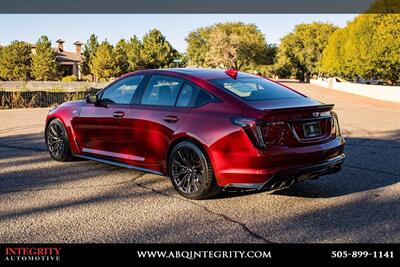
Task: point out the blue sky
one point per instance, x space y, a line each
175 27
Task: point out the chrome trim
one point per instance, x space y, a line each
309 140
311 119
118 164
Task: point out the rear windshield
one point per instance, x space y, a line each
255 88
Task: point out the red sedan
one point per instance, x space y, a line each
207 129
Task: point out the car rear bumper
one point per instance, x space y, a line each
287 177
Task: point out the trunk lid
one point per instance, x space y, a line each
296 121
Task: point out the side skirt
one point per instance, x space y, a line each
118 164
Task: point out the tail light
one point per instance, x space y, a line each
335 122
253 129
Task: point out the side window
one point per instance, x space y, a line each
190 91
202 98
122 91
185 96
162 91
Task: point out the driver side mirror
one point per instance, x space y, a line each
91 99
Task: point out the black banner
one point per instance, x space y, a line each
200 254
200 6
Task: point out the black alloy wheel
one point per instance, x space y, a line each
57 141
191 172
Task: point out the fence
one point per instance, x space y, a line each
36 99
387 93
49 86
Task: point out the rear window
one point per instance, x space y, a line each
255 88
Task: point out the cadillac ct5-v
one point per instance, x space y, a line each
207 129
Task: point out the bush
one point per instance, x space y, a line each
71 78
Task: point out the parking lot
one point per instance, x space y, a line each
83 201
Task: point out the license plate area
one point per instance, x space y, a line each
311 129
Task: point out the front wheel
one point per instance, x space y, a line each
57 141
191 172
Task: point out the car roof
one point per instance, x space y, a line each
203 73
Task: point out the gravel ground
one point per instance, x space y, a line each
83 201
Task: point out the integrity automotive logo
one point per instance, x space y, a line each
32 254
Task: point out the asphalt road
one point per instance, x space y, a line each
46 201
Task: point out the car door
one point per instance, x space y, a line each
101 125
156 116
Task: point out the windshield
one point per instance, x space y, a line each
255 88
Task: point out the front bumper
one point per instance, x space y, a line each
287 177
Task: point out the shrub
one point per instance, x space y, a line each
71 78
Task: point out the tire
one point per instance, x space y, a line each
191 172
57 141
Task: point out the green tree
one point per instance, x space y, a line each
156 51
15 60
368 47
134 48
121 57
89 49
236 45
287 63
198 46
386 53
228 45
103 63
300 52
44 66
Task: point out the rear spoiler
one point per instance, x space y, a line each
322 107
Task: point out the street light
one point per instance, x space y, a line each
177 61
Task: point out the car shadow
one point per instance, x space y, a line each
370 164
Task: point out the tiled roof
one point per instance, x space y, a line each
66 56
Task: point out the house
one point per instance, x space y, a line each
70 62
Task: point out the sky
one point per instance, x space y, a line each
74 27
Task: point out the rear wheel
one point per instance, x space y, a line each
191 172
57 141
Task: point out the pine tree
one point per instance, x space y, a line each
103 63
121 57
89 49
15 60
134 48
157 52
44 66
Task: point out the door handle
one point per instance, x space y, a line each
171 118
118 114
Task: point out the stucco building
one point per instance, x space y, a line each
70 62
